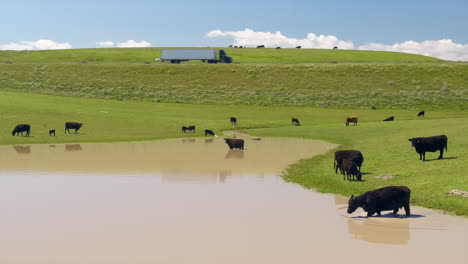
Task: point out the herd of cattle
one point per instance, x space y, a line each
26 128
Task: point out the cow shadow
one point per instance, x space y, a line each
390 215
448 158
234 154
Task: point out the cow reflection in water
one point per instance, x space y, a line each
234 154
73 147
387 230
209 140
188 140
22 149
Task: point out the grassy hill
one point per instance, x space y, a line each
246 55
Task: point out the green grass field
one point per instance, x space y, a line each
385 145
119 98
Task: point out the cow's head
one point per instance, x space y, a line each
352 204
413 141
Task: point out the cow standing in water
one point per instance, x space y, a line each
351 119
20 129
429 144
383 199
234 143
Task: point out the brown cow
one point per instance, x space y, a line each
350 169
351 119
295 121
353 155
234 143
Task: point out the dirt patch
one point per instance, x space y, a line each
384 177
459 193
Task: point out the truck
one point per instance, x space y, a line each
205 55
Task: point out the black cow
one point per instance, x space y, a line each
350 169
383 199
72 125
421 113
431 144
184 129
335 47
209 132
191 129
298 47
278 48
295 121
392 118
353 155
234 143
20 129
52 132
260 46
233 121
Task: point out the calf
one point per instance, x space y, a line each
191 129
72 125
392 118
295 121
421 113
209 132
431 144
351 119
353 155
20 129
52 132
233 121
350 169
383 199
234 143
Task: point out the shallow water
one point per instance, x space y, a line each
181 201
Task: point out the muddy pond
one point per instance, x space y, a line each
195 201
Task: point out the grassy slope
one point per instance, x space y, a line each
384 144
240 55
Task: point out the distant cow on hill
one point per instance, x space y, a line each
278 48
52 132
234 143
350 169
421 113
184 129
335 47
20 129
72 125
383 199
353 155
295 121
233 120
260 46
191 129
429 144
351 119
209 132
392 118
298 47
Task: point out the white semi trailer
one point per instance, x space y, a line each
208 55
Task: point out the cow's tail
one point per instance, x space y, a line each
446 144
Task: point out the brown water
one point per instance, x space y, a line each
193 201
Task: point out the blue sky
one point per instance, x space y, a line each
186 23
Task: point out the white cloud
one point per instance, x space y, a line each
42 44
444 48
105 44
133 44
248 37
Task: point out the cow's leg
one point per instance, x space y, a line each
378 213
407 209
395 211
424 156
370 213
441 156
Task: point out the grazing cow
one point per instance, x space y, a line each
298 47
383 199
373 108
240 47
431 144
392 118
350 169
233 121
191 129
209 132
230 46
20 129
260 46
72 125
354 155
278 48
234 143
52 132
184 129
421 113
335 47
295 121
351 119
235 47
